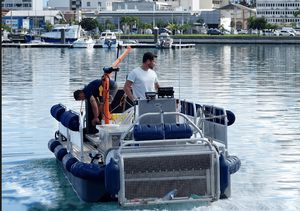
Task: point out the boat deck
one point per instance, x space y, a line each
88 147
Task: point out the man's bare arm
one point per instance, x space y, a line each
127 89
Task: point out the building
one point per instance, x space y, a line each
22 4
31 20
188 5
219 3
58 5
210 17
235 16
280 12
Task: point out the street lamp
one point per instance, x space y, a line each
153 21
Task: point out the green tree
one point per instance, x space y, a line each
173 27
48 26
257 23
128 22
185 27
296 13
109 25
161 24
89 24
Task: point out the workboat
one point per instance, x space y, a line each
153 151
63 34
84 42
164 41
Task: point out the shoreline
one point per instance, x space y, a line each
148 42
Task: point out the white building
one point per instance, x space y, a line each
99 5
59 4
188 5
22 4
279 12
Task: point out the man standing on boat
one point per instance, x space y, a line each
94 102
142 79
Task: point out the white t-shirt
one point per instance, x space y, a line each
143 81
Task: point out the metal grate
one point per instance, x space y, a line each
153 189
154 177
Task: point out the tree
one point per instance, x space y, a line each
89 24
185 27
128 22
296 13
48 26
257 23
109 25
173 27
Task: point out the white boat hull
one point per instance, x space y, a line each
83 43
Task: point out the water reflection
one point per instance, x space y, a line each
259 83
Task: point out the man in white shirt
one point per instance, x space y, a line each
142 79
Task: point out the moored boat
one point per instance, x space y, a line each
84 42
154 151
62 34
108 39
164 41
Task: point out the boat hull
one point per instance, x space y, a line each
57 40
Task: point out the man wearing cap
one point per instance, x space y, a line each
142 79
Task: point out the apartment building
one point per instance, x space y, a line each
22 4
188 5
280 12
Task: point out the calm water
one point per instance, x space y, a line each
259 83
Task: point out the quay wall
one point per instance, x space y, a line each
146 42
226 40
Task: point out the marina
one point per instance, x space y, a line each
258 83
67 45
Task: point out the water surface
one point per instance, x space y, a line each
259 83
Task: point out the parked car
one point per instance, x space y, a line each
117 31
214 32
242 31
268 32
164 30
286 33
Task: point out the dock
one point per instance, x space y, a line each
59 45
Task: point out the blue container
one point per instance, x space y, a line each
112 177
88 171
57 110
70 120
178 131
148 132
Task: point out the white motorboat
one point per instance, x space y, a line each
109 39
164 41
63 34
158 150
84 42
